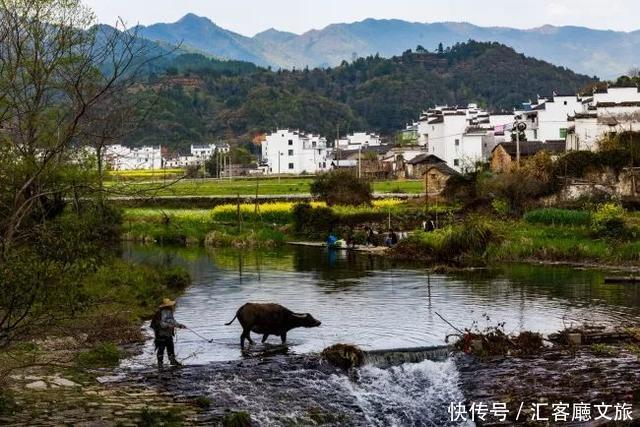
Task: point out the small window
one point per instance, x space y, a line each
434 176
456 162
291 142
457 142
565 102
291 166
563 133
291 152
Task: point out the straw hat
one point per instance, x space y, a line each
167 303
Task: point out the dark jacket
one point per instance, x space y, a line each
164 324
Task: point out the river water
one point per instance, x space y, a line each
376 304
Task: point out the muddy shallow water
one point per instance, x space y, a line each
362 300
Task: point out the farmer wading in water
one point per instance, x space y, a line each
164 326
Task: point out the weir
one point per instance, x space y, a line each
398 356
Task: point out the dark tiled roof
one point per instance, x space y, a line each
619 104
344 154
529 148
425 158
584 116
444 168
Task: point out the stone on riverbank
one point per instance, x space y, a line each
37 385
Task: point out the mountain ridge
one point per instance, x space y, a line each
605 53
235 101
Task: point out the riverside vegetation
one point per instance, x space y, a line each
68 304
481 217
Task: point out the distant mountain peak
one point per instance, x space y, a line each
273 36
193 18
607 54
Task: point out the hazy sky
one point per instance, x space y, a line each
251 16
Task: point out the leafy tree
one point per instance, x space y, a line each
340 187
233 101
57 73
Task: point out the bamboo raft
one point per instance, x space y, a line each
357 248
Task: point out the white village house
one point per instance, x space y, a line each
461 136
609 111
119 157
199 155
293 152
358 140
548 119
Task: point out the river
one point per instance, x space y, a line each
376 304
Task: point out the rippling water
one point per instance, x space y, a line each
371 302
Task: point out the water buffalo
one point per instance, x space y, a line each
270 319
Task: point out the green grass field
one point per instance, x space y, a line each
247 187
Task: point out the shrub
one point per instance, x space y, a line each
501 207
157 418
176 278
237 419
555 216
608 221
106 355
518 188
138 287
312 221
463 187
340 187
603 350
577 164
449 245
203 402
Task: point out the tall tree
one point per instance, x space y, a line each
58 72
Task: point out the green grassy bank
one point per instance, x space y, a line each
247 187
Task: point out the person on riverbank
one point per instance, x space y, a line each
371 237
392 239
164 328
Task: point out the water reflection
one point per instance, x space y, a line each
374 303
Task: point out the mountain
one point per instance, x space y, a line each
203 35
606 54
204 99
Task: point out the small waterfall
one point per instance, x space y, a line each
397 357
410 394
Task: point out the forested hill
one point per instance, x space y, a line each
204 100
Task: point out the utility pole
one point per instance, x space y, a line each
338 145
279 155
360 161
518 126
631 151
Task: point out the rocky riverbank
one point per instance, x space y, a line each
582 376
291 390
569 376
